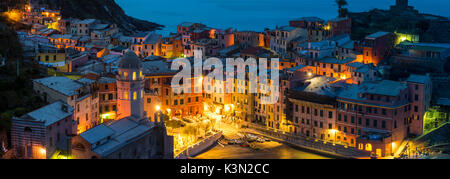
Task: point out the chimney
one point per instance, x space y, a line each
64 108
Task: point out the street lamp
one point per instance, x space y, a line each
43 152
334 131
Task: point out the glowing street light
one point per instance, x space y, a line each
334 131
217 111
158 107
402 39
42 151
227 108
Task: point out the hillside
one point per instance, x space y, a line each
430 28
105 10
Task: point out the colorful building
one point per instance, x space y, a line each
43 132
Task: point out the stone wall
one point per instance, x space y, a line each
199 147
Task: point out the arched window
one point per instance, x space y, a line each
134 95
134 75
125 75
369 147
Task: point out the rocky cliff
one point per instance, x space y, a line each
105 10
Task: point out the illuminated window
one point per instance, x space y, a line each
125 95
361 146
134 75
142 76
134 95
378 152
369 147
142 93
125 75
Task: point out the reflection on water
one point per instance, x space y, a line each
269 150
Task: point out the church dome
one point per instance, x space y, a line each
130 61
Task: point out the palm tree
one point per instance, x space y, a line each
341 4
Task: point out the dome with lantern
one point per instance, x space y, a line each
130 61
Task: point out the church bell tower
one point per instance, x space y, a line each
130 87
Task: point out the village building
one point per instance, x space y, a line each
377 46
339 26
315 27
43 133
281 37
312 108
132 136
375 116
426 55
74 93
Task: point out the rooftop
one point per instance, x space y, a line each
111 137
186 24
355 65
418 78
363 69
435 47
100 26
309 19
87 21
296 68
348 45
152 39
86 81
339 37
319 85
104 80
286 28
97 134
334 60
337 19
61 84
130 60
157 67
51 113
377 35
255 51
384 87
443 102
140 34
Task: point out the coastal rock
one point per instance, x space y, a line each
105 10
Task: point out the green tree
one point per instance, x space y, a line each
341 4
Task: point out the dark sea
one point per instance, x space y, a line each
255 14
